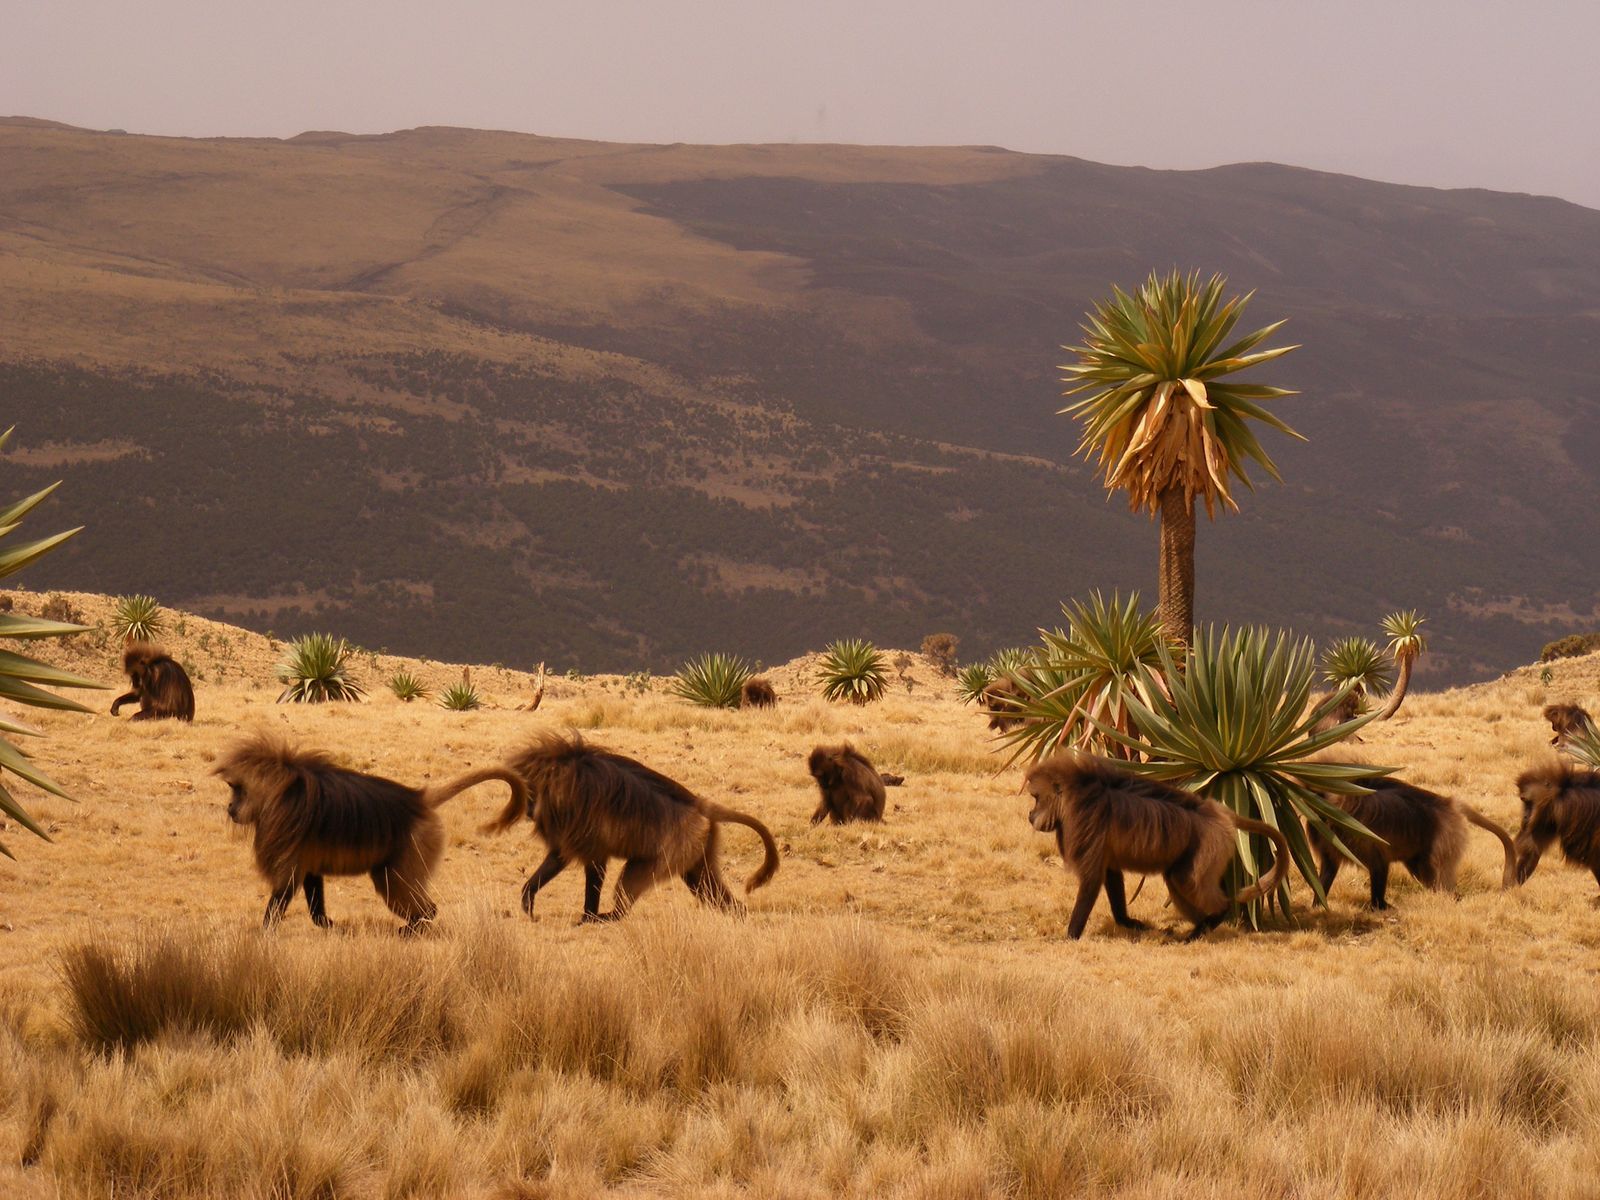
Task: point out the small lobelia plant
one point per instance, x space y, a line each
852 670
712 680
407 687
461 697
970 682
138 619
1584 745
1406 644
316 669
1357 663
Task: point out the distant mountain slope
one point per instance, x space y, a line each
499 396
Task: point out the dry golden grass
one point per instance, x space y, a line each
898 1015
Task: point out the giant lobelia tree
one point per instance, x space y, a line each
1162 417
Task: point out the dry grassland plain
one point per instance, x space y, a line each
899 1014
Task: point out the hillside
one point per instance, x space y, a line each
509 397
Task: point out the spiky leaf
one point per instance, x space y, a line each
137 619
852 670
316 670
712 680
1358 661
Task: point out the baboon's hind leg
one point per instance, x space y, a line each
594 880
706 882
314 901
639 875
403 884
552 866
278 904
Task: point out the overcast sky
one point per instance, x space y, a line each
1487 93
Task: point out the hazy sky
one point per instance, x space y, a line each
1490 93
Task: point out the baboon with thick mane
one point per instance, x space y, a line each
1002 700
160 685
590 805
757 693
1566 720
1107 821
312 819
1560 800
852 789
1411 825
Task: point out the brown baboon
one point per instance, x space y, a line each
1003 699
590 805
1559 800
1566 720
313 819
852 790
1348 709
160 685
757 693
1411 825
1107 821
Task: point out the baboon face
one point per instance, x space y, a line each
1044 816
1538 823
825 768
241 808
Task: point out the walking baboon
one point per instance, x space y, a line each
590 805
1565 720
1411 825
1559 800
314 819
1107 821
1003 699
757 693
852 789
160 685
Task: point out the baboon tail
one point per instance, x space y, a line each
767 869
438 793
1280 859
1508 878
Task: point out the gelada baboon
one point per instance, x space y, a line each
852 790
1565 720
1559 800
313 819
1422 829
1347 709
590 805
1107 821
160 685
1003 700
757 693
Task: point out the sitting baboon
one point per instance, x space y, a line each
1348 709
852 789
1107 821
1566 720
1559 800
757 693
160 685
1411 825
1002 700
313 819
590 805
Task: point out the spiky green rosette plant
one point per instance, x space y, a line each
1010 661
1159 417
461 697
1083 675
407 687
317 669
971 680
712 680
1232 725
852 670
1358 662
1583 745
1406 644
21 675
138 619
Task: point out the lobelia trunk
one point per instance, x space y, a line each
1399 692
1177 566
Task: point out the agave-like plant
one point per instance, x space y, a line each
1010 661
1160 418
138 618
317 669
712 680
1584 745
1232 724
971 680
853 670
460 697
1082 677
1406 645
1358 661
21 675
407 687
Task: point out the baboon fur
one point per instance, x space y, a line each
1347 709
1003 699
590 805
312 819
1565 720
1107 821
757 693
1560 800
852 789
1411 825
160 685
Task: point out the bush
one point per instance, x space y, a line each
138 619
941 648
852 670
712 680
316 670
407 687
1570 646
57 607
